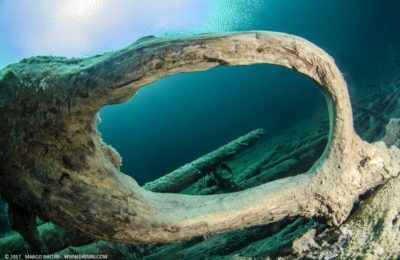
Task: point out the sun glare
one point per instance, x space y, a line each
86 27
84 8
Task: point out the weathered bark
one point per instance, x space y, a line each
258 241
52 154
234 243
60 241
237 240
57 238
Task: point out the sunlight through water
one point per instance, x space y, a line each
87 27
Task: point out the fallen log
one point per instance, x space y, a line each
300 147
240 241
277 171
57 238
277 243
225 241
391 102
219 245
64 183
186 175
256 174
255 168
318 142
262 248
371 112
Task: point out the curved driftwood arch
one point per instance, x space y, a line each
54 163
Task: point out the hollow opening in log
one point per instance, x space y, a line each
178 119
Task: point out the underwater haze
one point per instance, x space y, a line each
177 119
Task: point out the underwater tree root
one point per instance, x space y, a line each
52 153
49 232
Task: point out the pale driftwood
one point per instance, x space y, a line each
57 238
237 243
234 243
54 163
186 175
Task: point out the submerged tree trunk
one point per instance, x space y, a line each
56 238
179 179
52 154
